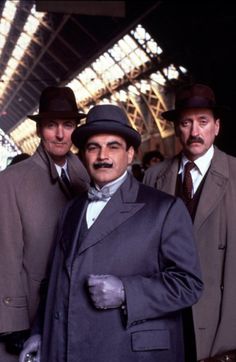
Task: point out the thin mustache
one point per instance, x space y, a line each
194 140
102 165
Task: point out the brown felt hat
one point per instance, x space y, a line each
57 103
193 96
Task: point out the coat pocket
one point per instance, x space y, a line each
150 340
15 302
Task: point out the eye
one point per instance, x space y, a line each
91 148
203 121
184 122
50 124
114 146
69 125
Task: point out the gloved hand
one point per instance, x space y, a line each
31 347
106 291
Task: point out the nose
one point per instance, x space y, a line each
103 153
60 132
194 129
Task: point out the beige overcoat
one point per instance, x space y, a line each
31 200
215 228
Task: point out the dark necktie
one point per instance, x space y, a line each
188 182
65 179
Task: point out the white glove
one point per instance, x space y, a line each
31 350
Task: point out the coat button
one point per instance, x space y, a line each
7 300
57 315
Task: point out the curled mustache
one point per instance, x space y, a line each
194 140
102 165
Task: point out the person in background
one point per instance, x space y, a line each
125 263
151 158
137 171
205 178
32 196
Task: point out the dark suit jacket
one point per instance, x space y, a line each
215 231
144 237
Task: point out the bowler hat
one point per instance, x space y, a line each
193 96
106 118
57 103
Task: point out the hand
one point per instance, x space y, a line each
106 291
31 346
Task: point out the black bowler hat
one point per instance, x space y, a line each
106 118
57 103
194 96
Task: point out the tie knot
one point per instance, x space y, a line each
189 166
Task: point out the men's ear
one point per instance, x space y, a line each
131 153
217 126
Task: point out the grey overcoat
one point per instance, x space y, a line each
144 237
215 229
31 199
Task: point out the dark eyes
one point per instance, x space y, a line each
186 123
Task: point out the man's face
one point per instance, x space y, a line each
56 137
197 129
106 157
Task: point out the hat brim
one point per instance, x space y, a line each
172 115
57 115
81 134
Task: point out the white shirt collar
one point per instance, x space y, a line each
58 168
114 185
202 163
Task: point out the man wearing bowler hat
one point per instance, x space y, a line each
205 178
33 193
125 263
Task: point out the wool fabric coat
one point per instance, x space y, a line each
145 238
215 230
31 198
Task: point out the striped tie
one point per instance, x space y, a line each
188 182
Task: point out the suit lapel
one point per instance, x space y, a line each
119 208
214 187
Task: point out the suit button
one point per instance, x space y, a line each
7 300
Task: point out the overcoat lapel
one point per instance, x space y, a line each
70 229
167 180
120 208
215 184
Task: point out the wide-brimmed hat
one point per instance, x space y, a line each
194 96
57 103
106 118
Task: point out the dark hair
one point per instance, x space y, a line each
18 158
149 155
